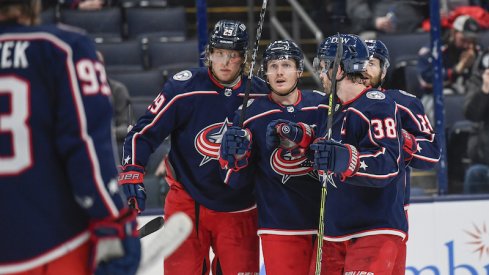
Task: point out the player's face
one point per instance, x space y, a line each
282 75
374 72
226 64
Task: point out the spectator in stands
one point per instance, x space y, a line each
385 16
122 107
458 56
476 109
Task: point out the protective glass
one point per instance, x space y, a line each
285 65
224 57
321 65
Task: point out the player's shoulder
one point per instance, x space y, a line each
259 85
375 96
259 104
395 93
374 100
62 36
183 81
314 96
402 97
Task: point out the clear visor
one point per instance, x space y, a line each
321 66
220 56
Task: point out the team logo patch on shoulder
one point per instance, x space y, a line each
376 95
183 75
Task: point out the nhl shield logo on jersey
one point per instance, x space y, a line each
183 75
375 95
208 140
284 164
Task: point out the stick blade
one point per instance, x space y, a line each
151 227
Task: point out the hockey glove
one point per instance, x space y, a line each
235 148
409 146
116 244
335 157
131 179
272 137
293 137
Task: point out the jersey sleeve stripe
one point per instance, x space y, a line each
261 115
160 114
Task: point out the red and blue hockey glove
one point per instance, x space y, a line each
335 157
272 138
131 179
235 148
409 146
116 244
294 137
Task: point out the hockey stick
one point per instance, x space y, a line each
162 244
326 178
253 61
151 227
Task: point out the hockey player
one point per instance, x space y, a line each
421 149
62 212
365 222
196 107
287 187
415 123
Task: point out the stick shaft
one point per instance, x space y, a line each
253 61
324 177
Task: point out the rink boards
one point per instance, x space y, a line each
448 236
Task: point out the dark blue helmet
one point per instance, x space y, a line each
230 35
355 53
378 49
284 49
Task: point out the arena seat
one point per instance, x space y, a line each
411 79
139 107
123 56
173 55
48 16
102 25
168 23
404 46
141 83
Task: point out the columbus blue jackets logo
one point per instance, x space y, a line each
375 95
208 140
183 75
283 163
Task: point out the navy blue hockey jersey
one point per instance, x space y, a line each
287 189
196 110
416 122
57 166
371 201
